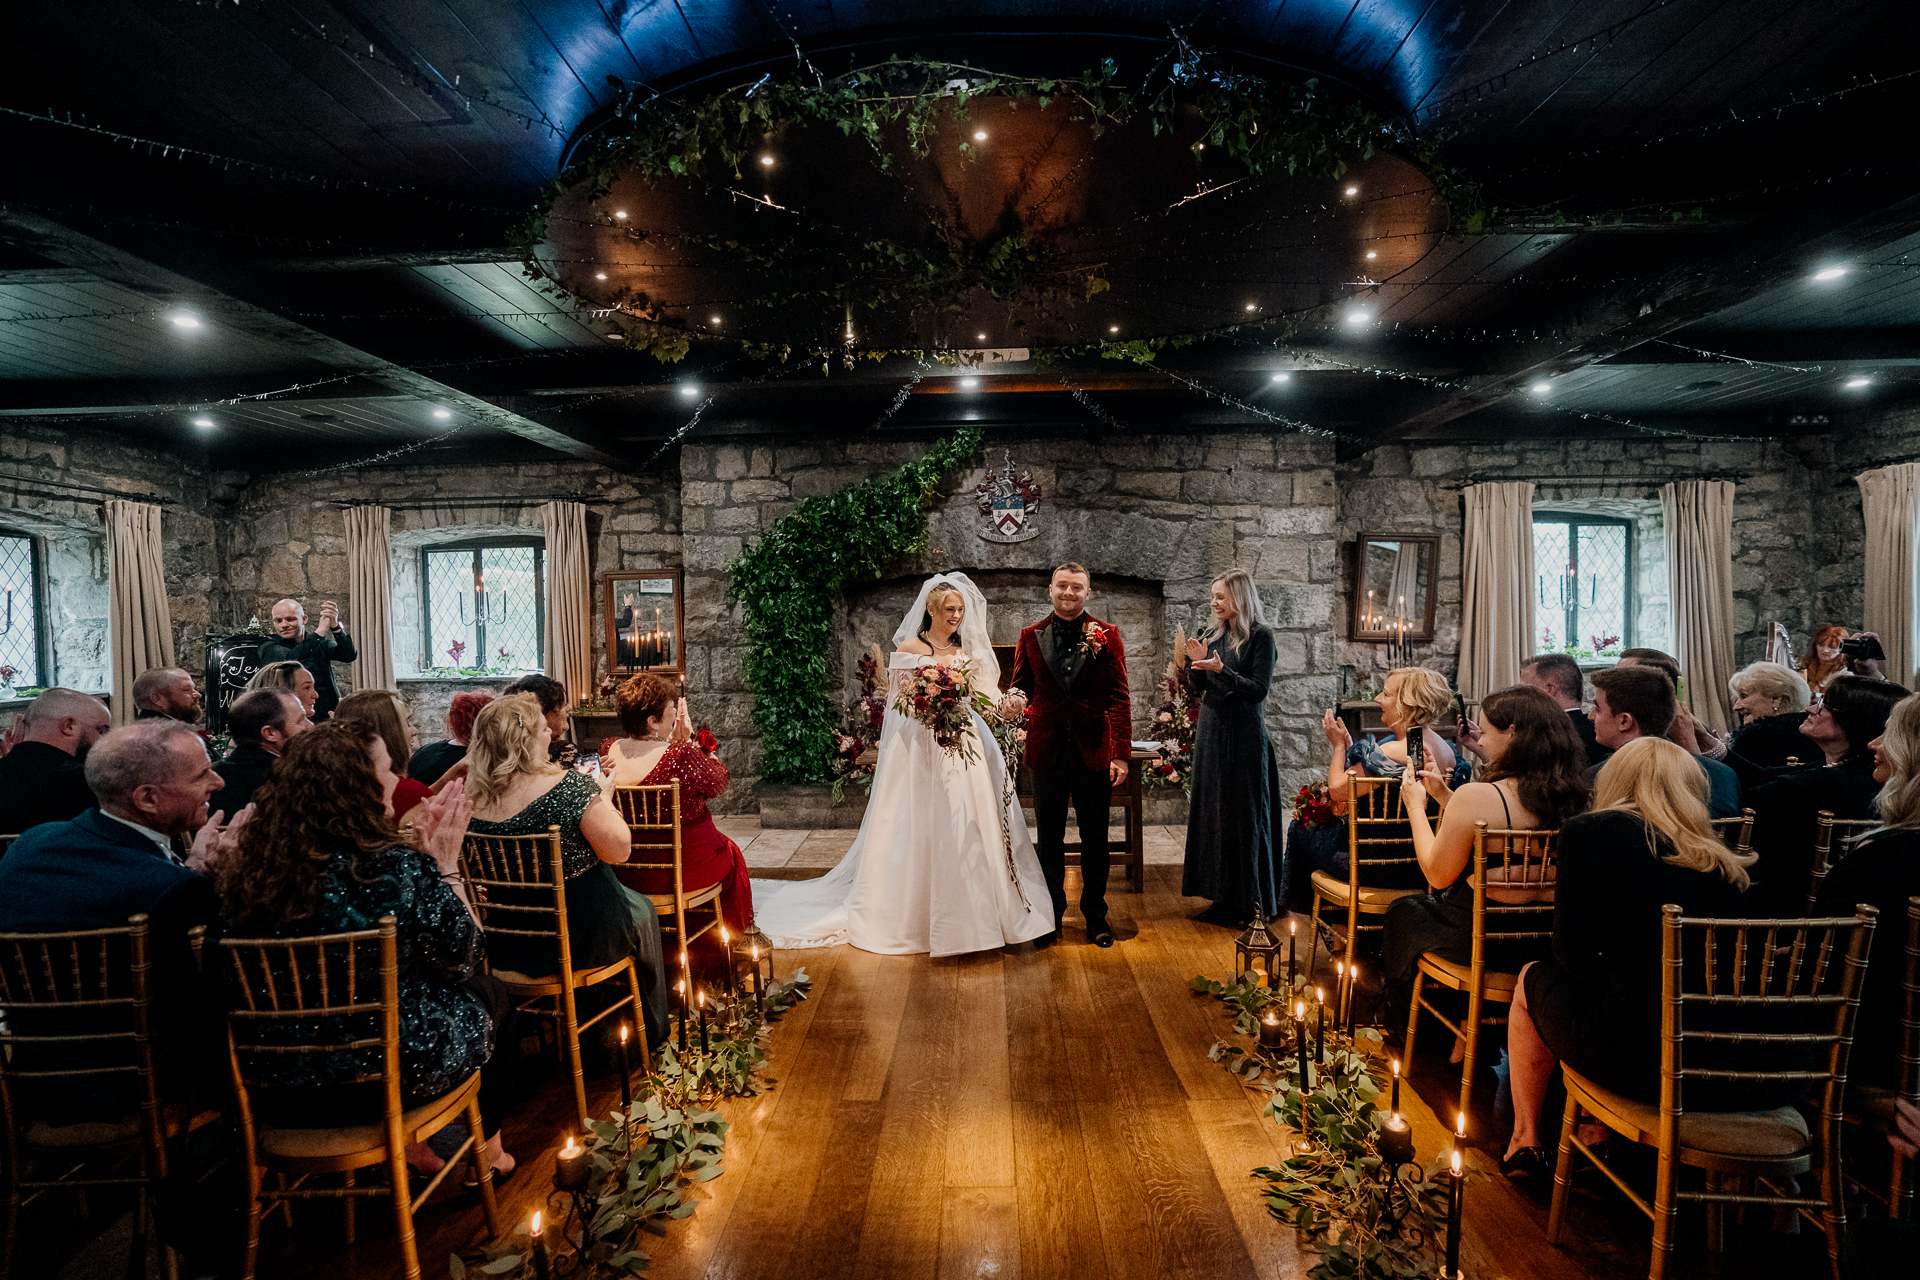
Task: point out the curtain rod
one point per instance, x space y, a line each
503 501
32 488
1482 477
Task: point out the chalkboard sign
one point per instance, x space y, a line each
231 662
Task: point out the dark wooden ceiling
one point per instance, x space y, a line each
326 190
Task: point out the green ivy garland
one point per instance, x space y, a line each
788 580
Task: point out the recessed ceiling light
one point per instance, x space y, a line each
185 320
1358 317
1372 253
766 159
599 275
1199 146
1859 382
1541 388
981 336
1253 306
714 319
969 383
203 423
616 337
979 135
620 213
442 414
689 389
1353 191
1829 273
1282 377
1113 328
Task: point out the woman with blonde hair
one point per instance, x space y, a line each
1411 699
516 791
288 677
1596 1004
1884 871
1771 701
382 709
1231 839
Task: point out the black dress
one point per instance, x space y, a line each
1231 838
1772 740
1596 1001
1882 871
1786 816
430 763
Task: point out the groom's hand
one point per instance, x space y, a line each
1015 703
1116 771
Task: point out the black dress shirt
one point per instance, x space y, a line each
317 654
246 768
41 783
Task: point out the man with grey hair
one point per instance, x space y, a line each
43 778
328 644
166 693
262 721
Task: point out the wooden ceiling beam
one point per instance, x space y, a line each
25 229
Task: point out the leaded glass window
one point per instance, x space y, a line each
1583 579
485 606
19 611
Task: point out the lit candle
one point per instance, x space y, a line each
1293 946
1460 1131
726 948
1320 1031
1396 1086
1456 1187
759 987
1300 1054
570 1167
1396 1139
1272 1034
1339 990
626 1073
700 999
542 1267
1353 992
683 1013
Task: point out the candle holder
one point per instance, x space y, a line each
1257 950
1400 1176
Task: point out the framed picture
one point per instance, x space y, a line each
645 622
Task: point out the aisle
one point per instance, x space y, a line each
1049 1115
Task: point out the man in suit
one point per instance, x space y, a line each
43 778
1558 676
1638 702
1072 668
261 721
317 652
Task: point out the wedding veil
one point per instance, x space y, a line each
975 637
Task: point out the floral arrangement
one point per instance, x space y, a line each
455 650
7 673
942 697
859 729
1173 723
1313 807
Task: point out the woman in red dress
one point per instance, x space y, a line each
658 748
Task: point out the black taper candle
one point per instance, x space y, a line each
1293 947
1320 1030
626 1073
1300 1047
1456 1188
685 1012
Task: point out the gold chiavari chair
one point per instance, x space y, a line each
1736 833
1518 893
1373 805
1826 828
653 816
327 979
1811 966
78 1008
518 885
1873 1108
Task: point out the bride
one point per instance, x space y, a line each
939 865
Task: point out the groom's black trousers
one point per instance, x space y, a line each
1091 793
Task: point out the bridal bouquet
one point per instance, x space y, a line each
943 699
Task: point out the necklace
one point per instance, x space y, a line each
938 648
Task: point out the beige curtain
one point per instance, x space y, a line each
569 598
138 621
1496 595
1890 502
1699 526
370 592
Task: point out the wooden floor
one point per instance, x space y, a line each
1049 1115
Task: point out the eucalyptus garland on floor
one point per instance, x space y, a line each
788 581
644 1157
1331 1188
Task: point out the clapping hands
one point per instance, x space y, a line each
440 826
1197 657
329 617
211 844
1336 731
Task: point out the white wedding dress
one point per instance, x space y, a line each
930 871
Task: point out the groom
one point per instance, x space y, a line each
1073 669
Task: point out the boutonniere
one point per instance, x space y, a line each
1093 642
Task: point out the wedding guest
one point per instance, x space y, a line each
322 855
1824 658
166 693
262 722
1771 702
1595 1005
317 652
555 706
1883 870
658 748
383 709
517 790
431 762
288 677
1559 677
1231 857
1535 779
1411 698
1631 702
43 778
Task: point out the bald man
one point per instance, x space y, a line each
317 652
43 779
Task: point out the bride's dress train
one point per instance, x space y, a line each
929 870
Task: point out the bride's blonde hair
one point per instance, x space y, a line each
934 597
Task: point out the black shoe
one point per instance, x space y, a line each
1528 1164
1046 940
1220 914
1100 936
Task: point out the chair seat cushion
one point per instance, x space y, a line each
1335 891
549 984
416 1125
1773 1134
1871 1107
1497 985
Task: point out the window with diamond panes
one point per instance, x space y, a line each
485 607
19 618
1582 581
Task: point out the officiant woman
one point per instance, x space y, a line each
1231 839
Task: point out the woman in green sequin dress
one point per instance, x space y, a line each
516 791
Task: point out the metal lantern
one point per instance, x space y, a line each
1258 951
756 948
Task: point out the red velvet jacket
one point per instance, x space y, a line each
1098 708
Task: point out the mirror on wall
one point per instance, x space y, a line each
1395 579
